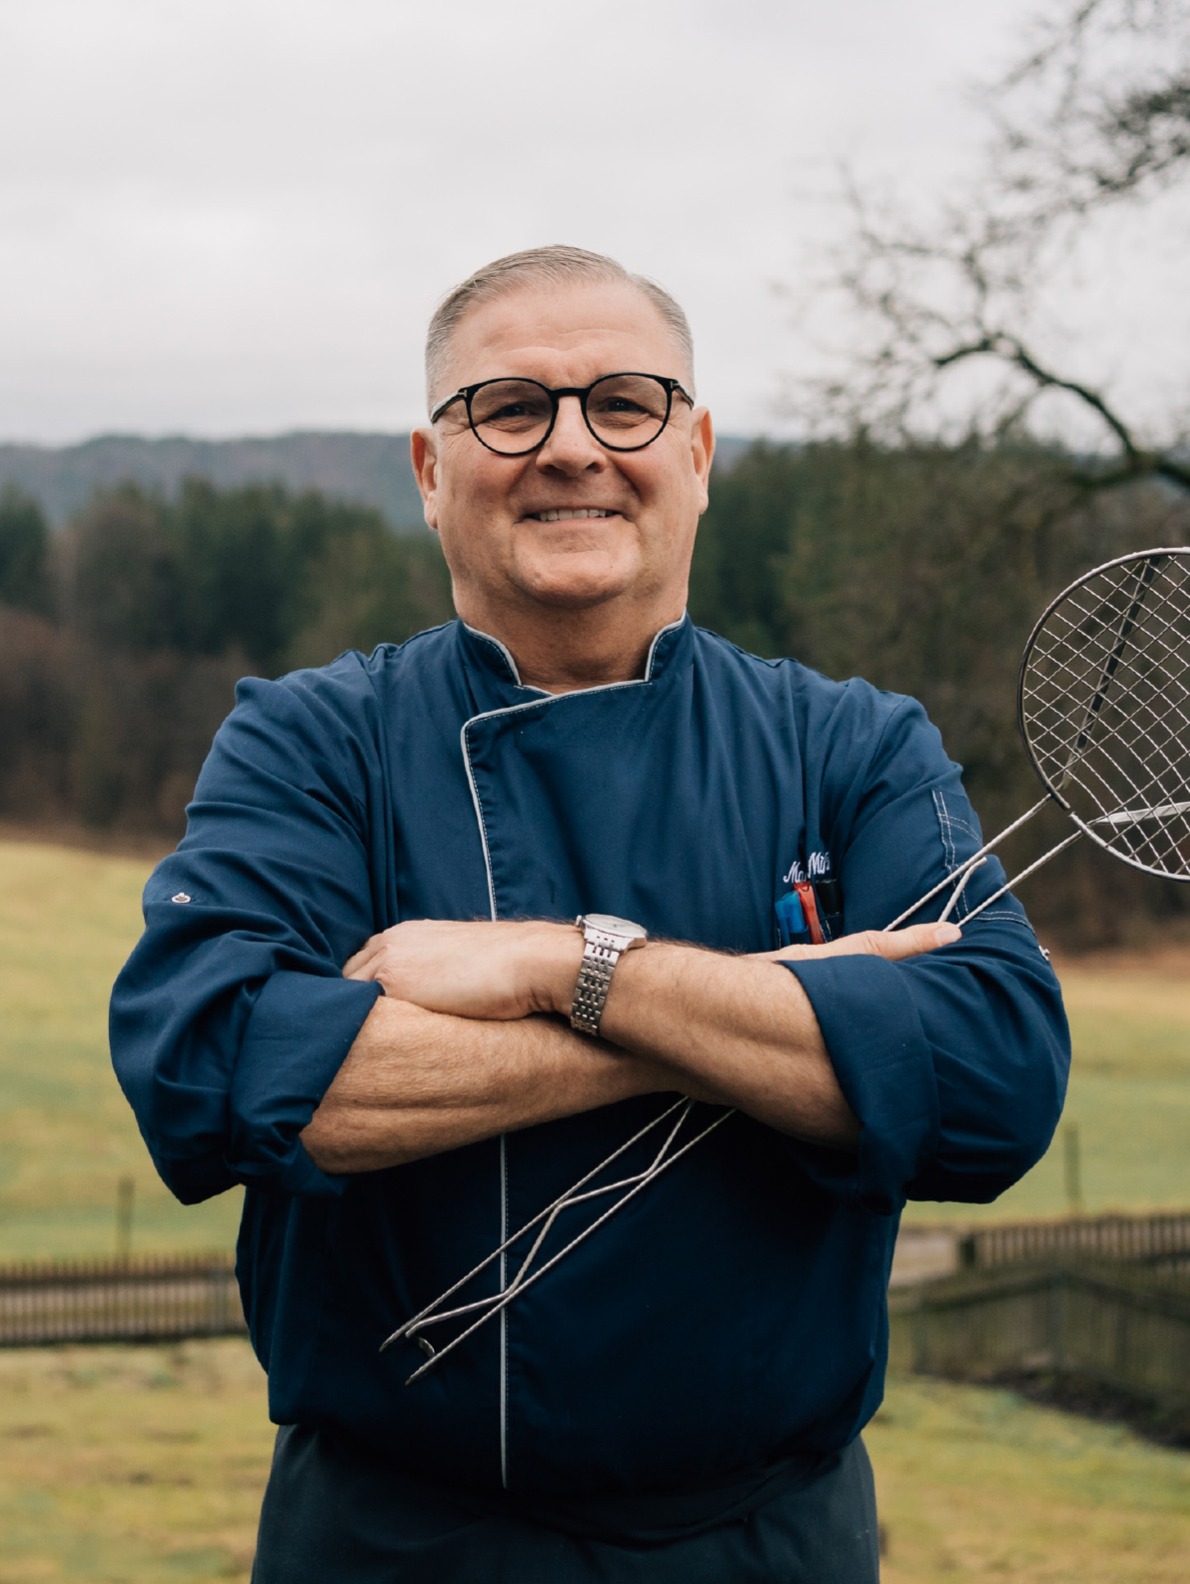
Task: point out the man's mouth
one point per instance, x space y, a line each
567 513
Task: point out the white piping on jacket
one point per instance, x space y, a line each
514 709
504 1312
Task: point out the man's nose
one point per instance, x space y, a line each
571 446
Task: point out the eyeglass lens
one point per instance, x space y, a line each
623 411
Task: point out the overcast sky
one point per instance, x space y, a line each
234 216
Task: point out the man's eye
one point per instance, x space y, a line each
620 412
625 401
503 407
612 405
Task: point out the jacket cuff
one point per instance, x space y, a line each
884 1065
301 1027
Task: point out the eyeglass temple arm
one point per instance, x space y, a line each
436 412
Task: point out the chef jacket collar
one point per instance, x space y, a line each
670 647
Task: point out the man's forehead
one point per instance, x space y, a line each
543 322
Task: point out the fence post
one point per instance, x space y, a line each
125 1193
1072 1168
920 1331
1057 1319
218 1294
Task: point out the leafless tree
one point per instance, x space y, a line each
951 313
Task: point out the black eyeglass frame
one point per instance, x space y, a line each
466 393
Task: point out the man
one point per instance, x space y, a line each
361 992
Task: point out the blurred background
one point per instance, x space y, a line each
933 256
934 259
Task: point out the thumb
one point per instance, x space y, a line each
892 945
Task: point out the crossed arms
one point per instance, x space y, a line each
250 1056
471 1038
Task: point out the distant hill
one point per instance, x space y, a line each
371 468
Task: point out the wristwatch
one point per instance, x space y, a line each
607 939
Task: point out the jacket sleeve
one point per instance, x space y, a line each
954 1062
231 1017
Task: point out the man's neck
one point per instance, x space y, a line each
567 650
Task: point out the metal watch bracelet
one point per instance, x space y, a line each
606 940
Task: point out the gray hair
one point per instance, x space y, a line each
557 265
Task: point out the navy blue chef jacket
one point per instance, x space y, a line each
734 1312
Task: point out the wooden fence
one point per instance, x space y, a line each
123 1300
1104 1299
1025 1297
1140 1240
1124 1329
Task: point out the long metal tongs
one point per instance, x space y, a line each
490 1306
963 872
670 1152
1056 783
959 876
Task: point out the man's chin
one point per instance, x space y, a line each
570 585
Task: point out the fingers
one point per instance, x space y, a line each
892 945
468 967
366 963
361 963
895 945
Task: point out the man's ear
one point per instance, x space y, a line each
702 446
423 453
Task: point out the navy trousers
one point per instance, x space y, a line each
334 1511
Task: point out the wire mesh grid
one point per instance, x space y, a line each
1105 708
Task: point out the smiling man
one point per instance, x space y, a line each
567 1233
577 552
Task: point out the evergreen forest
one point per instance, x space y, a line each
921 567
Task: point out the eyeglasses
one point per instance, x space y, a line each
625 412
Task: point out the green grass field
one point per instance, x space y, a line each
976 1485
138 1465
131 1465
68 919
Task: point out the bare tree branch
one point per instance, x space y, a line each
1099 112
1095 114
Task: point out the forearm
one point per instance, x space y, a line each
417 1083
738 1028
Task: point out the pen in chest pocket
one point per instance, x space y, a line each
809 914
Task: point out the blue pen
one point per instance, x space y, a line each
792 929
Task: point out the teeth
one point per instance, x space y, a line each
572 511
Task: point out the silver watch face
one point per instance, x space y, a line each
613 925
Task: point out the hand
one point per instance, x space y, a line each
894 945
474 969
